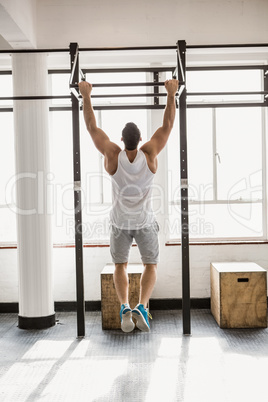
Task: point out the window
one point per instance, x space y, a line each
6 88
221 81
7 167
119 78
59 85
225 161
61 182
7 163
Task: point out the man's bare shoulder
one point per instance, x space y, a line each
149 149
145 147
111 158
151 159
112 150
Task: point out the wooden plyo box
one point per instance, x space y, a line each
239 294
110 305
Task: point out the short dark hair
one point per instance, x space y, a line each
131 136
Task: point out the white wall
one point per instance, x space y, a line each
169 270
97 23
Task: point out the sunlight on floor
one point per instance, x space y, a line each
98 376
243 371
170 347
48 364
211 365
216 375
163 380
81 349
23 378
47 350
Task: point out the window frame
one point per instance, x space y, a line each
264 117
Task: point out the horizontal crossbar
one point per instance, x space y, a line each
125 84
110 49
148 107
141 95
227 93
226 105
150 69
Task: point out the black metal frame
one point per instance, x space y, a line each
125 84
265 72
181 50
180 72
74 55
110 49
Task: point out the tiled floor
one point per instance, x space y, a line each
211 365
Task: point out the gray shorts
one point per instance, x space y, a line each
146 239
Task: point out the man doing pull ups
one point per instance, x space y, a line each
132 173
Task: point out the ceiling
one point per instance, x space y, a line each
50 24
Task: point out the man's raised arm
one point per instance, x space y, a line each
100 139
160 137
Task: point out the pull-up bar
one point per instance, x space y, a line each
111 49
126 84
138 95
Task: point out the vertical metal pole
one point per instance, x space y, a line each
181 49
265 85
77 202
264 114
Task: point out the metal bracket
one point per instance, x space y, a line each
265 84
184 183
180 67
181 89
77 186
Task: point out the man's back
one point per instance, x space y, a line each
131 192
111 158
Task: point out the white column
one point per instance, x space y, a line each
36 307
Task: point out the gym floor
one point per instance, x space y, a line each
211 365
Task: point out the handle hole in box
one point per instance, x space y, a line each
242 279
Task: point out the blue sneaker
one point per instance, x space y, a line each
141 315
127 325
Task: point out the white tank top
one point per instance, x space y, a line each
131 193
